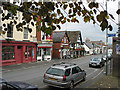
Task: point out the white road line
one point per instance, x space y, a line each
92 72
98 74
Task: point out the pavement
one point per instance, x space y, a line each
104 82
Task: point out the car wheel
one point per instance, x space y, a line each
71 85
100 65
84 78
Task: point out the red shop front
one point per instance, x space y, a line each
16 52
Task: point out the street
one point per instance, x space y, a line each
34 73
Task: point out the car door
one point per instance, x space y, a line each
80 73
76 74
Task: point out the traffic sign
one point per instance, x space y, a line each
111 35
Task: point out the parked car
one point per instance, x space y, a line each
15 85
64 75
109 57
96 62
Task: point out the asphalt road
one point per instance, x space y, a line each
34 74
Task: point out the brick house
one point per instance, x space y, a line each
60 45
16 46
45 43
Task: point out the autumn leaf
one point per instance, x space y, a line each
71 5
110 27
65 6
86 19
99 18
58 11
70 11
59 27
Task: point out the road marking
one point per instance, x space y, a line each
92 72
98 74
92 78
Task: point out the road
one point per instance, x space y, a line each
34 73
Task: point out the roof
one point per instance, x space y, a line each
73 36
89 44
58 36
63 65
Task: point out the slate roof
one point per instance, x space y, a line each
89 44
58 36
73 36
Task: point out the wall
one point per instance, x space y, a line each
18 35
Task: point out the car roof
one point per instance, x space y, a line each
2 80
63 65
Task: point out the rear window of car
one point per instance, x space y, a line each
55 71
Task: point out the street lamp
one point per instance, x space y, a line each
106 46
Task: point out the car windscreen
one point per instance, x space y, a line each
95 59
55 71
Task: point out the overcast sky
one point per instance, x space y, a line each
93 32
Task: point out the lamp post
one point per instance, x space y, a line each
106 47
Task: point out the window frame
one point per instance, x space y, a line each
8 51
25 33
10 31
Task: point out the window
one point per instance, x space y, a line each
10 30
67 72
55 71
76 70
47 51
64 39
8 52
25 33
33 52
26 52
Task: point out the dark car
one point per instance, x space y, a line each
64 75
15 85
96 62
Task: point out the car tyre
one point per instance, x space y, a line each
71 85
100 65
84 78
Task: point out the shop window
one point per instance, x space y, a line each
33 52
8 52
47 51
26 52
39 52
25 33
10 31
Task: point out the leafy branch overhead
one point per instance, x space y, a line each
48 15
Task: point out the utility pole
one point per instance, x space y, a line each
106 47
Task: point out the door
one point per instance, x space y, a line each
19 54
29 54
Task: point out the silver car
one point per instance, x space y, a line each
96 62
64 75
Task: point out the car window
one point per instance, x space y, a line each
55 71
76 70
7 87
67 72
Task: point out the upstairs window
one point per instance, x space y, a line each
25 33
10 31
64 39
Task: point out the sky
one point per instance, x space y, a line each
93 32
